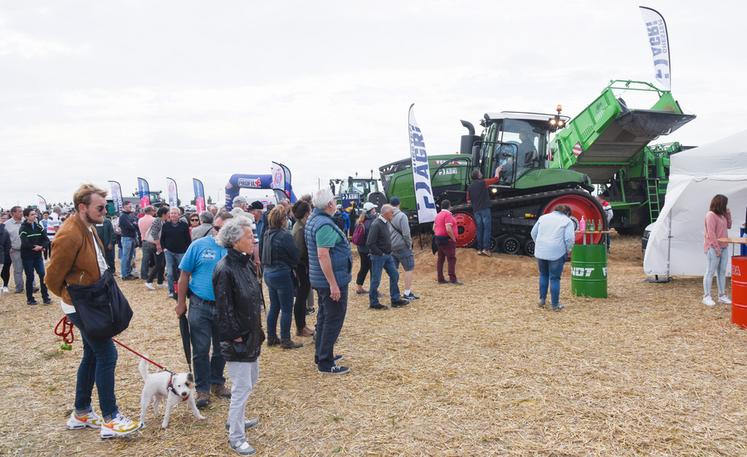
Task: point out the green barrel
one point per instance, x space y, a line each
589 270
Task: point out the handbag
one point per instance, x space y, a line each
102 307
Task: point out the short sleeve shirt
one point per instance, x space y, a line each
327 237
443 218
200 260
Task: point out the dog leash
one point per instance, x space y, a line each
64 329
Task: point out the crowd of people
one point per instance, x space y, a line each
214 264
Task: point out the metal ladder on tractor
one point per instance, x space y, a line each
652 192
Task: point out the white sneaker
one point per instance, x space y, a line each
90 420
149 286
6 290
708 301
119 426
243 448
724 299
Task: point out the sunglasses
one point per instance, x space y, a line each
194 220
100 208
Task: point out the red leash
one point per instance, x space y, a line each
64 329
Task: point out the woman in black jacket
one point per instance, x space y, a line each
301 211
279 258
238 301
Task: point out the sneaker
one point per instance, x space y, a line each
456 283
47 301
149 286
6 290
220 390
243 448
335 369
290 344
249 423
337 358
724 299
119 426
272 340
89 420
487 254
172 295
481 252
708 301
411 296
557 307
541 303
399 303
203 399
377 306
32 302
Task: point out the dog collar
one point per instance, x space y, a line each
170 388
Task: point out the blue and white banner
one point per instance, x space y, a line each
116 196
658 39
421 174
172 193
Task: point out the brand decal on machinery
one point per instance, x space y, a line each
586 272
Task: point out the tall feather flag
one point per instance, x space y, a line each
199 195
172 193
658 39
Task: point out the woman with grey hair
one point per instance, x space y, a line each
238 301
205 227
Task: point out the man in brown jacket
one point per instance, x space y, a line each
79 259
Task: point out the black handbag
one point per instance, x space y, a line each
102 307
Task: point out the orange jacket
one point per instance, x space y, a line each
74 260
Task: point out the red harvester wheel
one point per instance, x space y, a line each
466 229
580 206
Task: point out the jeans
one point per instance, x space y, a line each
243 378
280 289
715 265
149 259
446 252
172 268
125 259
29 266
364 268
203 329
483 220
379 263
549 274
15 258
157 271
96 367
302 295
329 320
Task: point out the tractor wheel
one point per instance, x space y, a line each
466 230
585 206
509 245
529 247
378 199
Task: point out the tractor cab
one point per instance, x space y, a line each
353 191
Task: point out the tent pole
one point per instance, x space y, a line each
669 246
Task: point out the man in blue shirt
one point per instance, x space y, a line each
197 267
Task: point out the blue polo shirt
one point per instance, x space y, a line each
200 260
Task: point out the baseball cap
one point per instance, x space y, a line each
368 206
394 201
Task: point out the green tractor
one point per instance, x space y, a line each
353 191
517 142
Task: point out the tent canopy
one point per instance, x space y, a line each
675 243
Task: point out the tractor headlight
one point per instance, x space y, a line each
493 190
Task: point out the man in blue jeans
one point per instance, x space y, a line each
197 266
330 266
128 229
379 244
554 236
480 199
175 240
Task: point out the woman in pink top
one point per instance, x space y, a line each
717 222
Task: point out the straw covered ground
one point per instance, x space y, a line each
471 370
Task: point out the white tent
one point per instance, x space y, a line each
675 245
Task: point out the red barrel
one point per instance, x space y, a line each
739 290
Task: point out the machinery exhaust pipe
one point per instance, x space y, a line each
469 127
468 140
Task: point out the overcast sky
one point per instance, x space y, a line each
92 91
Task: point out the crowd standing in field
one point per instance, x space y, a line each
213 264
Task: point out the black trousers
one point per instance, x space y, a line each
5 274
364 269
329 322
302 295
109 257
157 271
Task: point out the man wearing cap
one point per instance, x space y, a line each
402 247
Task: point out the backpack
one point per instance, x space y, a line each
359 235
339 220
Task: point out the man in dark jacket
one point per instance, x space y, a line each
174 242
105 231
129 230
379 244
33 241
5 260
480 199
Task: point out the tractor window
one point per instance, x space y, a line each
529 140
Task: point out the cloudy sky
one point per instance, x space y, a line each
93 91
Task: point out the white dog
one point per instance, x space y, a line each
174 388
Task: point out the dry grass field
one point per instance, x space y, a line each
476 370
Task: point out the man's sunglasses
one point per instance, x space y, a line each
100 208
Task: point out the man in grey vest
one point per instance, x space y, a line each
330 266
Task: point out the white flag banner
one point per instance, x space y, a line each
278 176
421 174
42 205
658 39
116 195
172 193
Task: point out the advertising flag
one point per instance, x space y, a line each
172 193
199 195
143 192
116 195
42 205
658 39
421 174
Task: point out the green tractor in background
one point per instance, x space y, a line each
517 142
